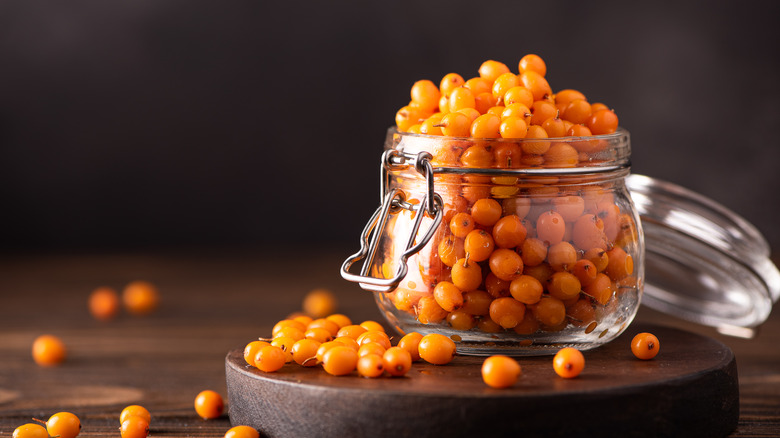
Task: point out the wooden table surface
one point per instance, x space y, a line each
213 302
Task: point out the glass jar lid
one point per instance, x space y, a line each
703 262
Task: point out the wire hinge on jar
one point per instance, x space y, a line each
392 202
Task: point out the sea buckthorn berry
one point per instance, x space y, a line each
436 349
504 83
486 126
478 245
209 404
250 351
372 326
554 127
371 348
526 289
476 302
428 311
486 212
516 206
426 95
290 332
513 127
588 233
519 95
569 207
48 350
287 323
415 129
561 256
460 98
564 286
517 109
600 289
564 97
505 264
340 319
328 325
63 425
478 85
460 320
497 110
431 126
550 227
270 358
455 124
286 345
397 361
30 430
568 362
542 110
582 131
645 346
319 303
549 311
304 352
410 343
242 432
376 337
602 122
140 297
507 312
103 303
536 83
449 82
476 156
620 264
581 313
407 117
490 70
536 147
500 371
351 331
370 365
466 275
585 271
509 232
461 225
531 62
448 296
598 106
529 325
508 156
533 251
325 347
577 111
484 102
450 250
561 155
444 104
495 286
135 411
339 361
134 427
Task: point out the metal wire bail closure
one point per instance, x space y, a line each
391 203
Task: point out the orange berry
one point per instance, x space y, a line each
448 296
339 319
304 352
504 83
209 404
140 297
568 363
466 275
340 360
507 312
251 349
104 303
550 227
351 331
270 358
490 70
536 83
135 411
48 350
319 303
397 361
603 122
645 346
436 349
450 82
298 325
460 98
513 127
327 324
526 289
242 432
30 430
425 94
486 126
370 365
63 425
455 124
134 427
500 371
410 343
371 348
532 62
376 337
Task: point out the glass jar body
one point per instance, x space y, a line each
526 260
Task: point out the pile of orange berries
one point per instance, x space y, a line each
501 104
341 347
515 253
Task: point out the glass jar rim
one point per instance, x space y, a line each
595 154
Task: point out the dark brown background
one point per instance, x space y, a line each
167 123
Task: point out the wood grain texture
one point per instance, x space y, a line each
212 303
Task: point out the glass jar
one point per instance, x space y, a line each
507 246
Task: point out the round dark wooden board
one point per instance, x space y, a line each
690 389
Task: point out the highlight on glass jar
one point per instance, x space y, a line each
511 246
